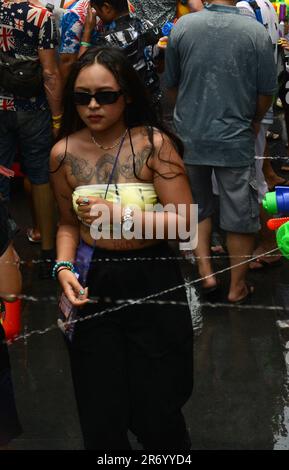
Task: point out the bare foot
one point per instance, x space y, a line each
240 293
209 282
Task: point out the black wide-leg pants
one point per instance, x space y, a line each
133 368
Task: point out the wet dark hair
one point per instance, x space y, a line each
138 110
118 5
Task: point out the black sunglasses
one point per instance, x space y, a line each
102 97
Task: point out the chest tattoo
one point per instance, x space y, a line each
84 172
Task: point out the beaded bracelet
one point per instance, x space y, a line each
57 265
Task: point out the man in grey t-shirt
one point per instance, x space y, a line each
220 65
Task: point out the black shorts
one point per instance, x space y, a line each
9 422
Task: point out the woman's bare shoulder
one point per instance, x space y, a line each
148 135
66 145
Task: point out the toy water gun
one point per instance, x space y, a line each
274 203
166 30
10 317
182 9
277 201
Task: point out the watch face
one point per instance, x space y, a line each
127 225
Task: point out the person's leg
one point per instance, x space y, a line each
36 142
8 144
267 243
239 246
33 232
99 375
239 217
159 387
43 202
203 254
283 91
9 422
159 340
267 240
201 185
271 178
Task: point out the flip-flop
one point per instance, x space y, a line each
272 135
266 265
244 300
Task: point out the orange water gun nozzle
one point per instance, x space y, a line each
274 224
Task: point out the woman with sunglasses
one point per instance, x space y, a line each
132 364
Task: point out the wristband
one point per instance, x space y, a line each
57 265
85 44
62 268
56 125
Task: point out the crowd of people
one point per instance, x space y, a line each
84 100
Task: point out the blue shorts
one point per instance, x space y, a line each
30 132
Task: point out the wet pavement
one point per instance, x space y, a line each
240 398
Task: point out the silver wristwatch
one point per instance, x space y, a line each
127 219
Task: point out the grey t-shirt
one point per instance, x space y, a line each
156 11
220 61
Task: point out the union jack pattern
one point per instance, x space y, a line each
37 16
19 24
24 28
6 38
7 104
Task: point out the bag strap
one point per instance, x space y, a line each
257 10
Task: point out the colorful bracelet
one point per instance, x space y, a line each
56 125
62 268
57 265
85 44
57 118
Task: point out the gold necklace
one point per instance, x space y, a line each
117 142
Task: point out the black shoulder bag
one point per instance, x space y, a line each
22 78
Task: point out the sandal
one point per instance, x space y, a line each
265 264
272 135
